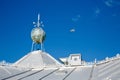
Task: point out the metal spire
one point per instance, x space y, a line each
37 34
38 22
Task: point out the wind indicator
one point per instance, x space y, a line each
37 35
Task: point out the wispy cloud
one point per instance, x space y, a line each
97 11
111 3
76 18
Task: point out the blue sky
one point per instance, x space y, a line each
89 27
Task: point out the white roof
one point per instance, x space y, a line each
107 70
37 59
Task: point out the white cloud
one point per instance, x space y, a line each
72 30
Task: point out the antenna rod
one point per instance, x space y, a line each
38 23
